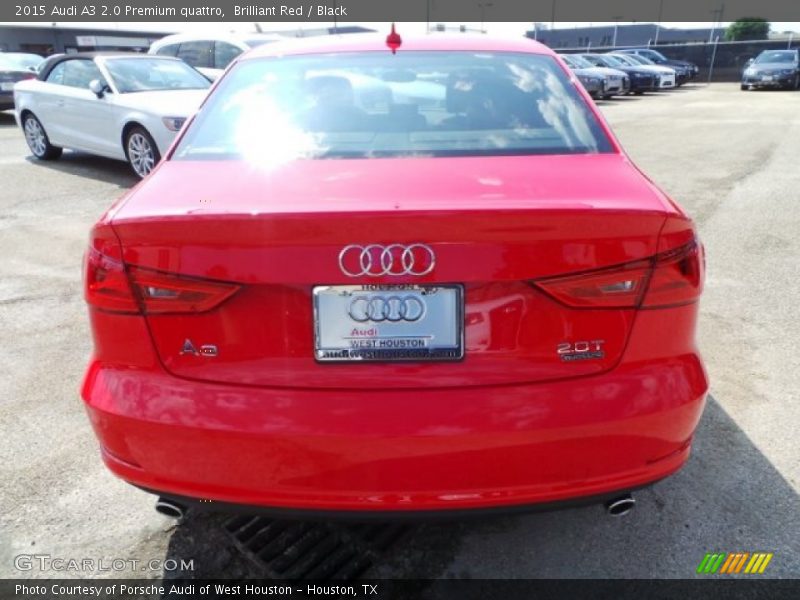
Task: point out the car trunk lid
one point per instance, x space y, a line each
494 225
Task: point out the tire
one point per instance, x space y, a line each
744 87
141 151
796 85
37 139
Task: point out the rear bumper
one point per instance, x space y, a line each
397 450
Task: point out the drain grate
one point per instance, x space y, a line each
285 549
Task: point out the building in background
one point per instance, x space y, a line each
46 40
55 40
637 34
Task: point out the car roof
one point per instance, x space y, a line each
51 62
241 38
371 42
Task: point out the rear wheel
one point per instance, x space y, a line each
141 151
37 139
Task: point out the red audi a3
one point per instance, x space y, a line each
412 277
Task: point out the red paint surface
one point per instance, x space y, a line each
511 423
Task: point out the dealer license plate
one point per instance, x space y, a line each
388 322
766 78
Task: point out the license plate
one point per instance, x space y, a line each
388 322
7 86
766 78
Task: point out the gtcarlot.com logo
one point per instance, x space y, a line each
47 562
731 563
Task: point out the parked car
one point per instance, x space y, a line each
666 75
209 54
641 80
613 82
686 70
14 67
773 68
310 306
123 106
593 81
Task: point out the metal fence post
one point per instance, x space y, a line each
713 58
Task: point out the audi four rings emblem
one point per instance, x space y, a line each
374 260
386 308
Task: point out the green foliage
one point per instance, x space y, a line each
747 28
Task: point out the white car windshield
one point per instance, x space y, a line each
19 62
153 74
376 104
625 60
576 62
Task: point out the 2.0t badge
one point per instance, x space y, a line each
582 350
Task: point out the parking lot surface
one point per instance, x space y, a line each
730 158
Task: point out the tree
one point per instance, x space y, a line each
747 28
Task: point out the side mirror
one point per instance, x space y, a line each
97 87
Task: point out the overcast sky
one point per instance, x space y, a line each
416 27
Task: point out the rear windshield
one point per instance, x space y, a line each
378 104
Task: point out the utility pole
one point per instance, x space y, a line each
616 25
335 19
658 23
717 21
483 6
427 16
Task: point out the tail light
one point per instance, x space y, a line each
161 293
670 278
110 287
677 277
106 285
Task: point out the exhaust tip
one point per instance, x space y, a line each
620 506
170 508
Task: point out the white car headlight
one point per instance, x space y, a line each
174 123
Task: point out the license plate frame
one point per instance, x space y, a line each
436 335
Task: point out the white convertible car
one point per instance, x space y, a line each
123 106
